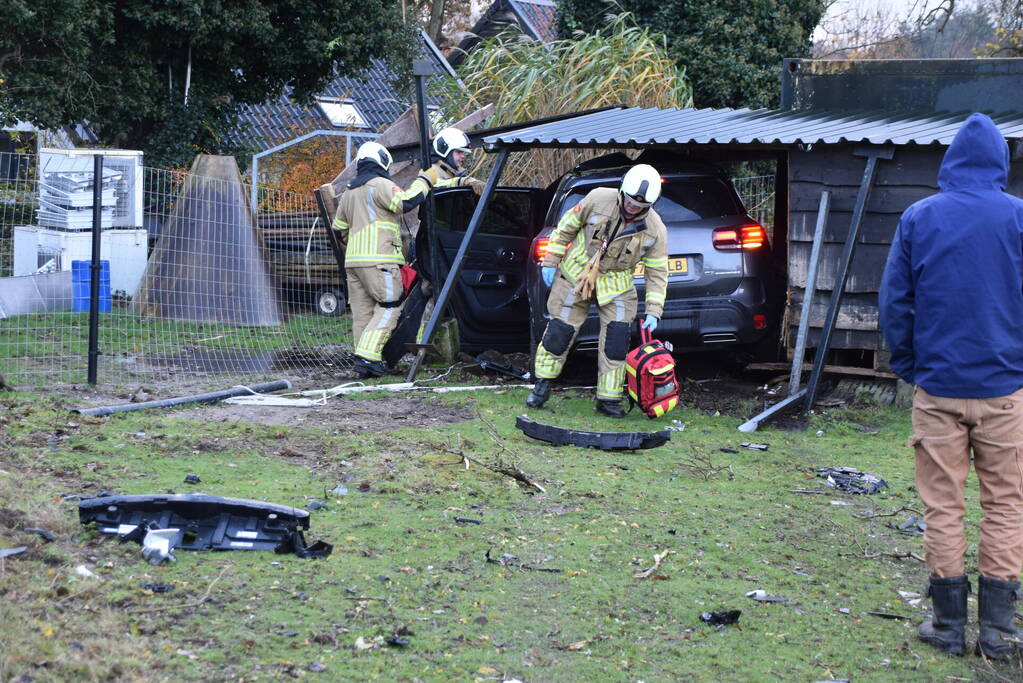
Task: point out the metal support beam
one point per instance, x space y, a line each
795 394
752 424
866 185
463 249
808 292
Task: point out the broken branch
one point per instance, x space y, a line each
658 559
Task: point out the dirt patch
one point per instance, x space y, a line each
379 415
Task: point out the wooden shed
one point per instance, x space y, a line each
873 131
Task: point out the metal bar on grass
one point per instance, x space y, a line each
99 411
754 422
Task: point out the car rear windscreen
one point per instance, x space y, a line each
682 200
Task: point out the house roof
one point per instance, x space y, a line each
536 18
630 127
262 126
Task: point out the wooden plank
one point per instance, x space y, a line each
829 369
877 228
850 316
864 272
892 199
836 165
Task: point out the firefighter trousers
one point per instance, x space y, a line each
568 312
945 432
373 293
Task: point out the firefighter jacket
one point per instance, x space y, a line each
440 175
367 221
597 218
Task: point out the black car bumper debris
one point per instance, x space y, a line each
607 441
205 522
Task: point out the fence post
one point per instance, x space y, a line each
96 266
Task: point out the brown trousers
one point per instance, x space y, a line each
944 432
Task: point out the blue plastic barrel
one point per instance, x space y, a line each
81 279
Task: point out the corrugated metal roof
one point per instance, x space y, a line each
262 126
764 127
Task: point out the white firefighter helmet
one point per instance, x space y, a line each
642 184
374 151
448 140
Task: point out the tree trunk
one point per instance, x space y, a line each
436 20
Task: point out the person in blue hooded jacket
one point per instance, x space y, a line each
951 305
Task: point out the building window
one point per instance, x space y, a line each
342 113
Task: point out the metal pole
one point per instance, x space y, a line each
463 248
422 68
866 184
808 292
95 267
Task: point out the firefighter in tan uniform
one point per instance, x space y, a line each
367 222
591 258
450 147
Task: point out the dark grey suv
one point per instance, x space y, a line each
720 289
719 266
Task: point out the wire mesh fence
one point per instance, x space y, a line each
194 281
757 194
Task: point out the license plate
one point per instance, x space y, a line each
677 265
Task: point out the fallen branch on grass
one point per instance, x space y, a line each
580 644
875 514
658 559
508 470
701 466
507 560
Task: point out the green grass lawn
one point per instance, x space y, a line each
41 348
402 566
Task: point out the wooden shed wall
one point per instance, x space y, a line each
909 176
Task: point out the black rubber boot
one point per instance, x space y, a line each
947 629
610 408
996 611
540 393
367 368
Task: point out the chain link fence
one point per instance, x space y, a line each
195 280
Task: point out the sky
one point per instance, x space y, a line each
900 8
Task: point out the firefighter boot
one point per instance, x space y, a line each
947 629
610 408
367 368
540 393
997 607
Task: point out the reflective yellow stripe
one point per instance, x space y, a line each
655 298
548 366
610 384
364 246
555 249
613 283
340 224
655 262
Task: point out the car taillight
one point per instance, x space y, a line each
736 237
759 321
540 248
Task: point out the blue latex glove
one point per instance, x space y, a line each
548 273
650 324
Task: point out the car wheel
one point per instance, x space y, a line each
330 302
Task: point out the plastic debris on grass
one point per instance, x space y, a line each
851 480
722 618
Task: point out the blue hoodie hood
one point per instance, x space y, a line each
978 157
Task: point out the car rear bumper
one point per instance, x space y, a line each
700 323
